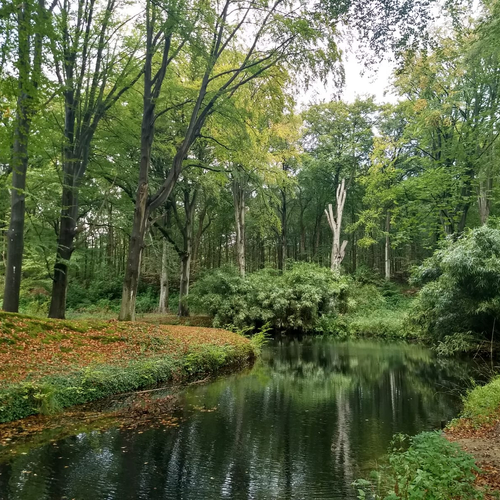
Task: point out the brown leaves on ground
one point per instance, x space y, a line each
139 411
32 348
483 443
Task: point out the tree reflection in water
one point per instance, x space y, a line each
304 422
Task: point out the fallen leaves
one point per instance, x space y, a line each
483 443
31 349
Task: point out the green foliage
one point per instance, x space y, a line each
102 295
292 301
430 468
383 323
94 382
481 404
378 311
260 338
462 291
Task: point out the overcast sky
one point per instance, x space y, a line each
358 82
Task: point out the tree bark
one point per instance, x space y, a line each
282 254
15 234
65 247
164 285
187 231
131 280
239 215
184 285
28 80
387 246
335 223
485 188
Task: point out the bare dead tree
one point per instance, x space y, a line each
335 223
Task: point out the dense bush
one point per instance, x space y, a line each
430 467
293 301
460 299
376 311
104 294
482 402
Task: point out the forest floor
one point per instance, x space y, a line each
50 364
483 443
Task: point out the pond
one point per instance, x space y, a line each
310 417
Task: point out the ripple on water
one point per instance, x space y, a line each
307 420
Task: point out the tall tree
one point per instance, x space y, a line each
95 66
31 28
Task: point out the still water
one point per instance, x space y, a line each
309 418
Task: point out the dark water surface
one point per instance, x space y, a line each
303 423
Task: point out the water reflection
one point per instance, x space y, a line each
302 424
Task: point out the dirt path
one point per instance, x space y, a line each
484 445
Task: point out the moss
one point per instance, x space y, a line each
162 356
53 393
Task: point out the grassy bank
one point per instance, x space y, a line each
46 365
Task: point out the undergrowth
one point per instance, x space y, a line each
426 466
481 404
53 393
46 365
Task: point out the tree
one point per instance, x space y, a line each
95 67
280 33
335 223
31 28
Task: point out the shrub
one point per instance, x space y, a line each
378 311
146 302
429 468
481 404
292 301
461 292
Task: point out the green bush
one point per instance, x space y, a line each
481 404
386 323
378 311
461 292
429 468
146 302
292 301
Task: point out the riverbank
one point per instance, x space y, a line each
477 432
47 365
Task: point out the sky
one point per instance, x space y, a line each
359 82
373 82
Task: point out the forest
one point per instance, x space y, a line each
154 159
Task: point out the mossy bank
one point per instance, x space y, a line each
47 365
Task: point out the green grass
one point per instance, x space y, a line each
383 323
482 403
53 393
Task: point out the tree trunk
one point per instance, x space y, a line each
335 223
283 236
197 239
184 285
65 247
131 280
485 188
187 232
302 241
15 234
29 63
387 246
239 214
164 285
